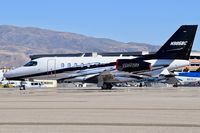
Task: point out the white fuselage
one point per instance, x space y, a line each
48 64
69 67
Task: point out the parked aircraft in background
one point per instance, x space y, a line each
105 71
188 77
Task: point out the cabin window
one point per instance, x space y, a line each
31 63
81 65
88 65
62 65
75 64
68 64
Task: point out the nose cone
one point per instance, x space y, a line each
11 75
18 73
8 75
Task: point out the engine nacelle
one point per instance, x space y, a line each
132 65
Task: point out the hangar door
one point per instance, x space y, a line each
51 68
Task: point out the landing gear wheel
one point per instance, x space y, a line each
106 86
80 85
22 87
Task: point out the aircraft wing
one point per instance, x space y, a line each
86 75
109 74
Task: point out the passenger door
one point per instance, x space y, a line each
51 68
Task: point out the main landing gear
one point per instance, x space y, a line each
106 86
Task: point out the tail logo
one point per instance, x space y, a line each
179 43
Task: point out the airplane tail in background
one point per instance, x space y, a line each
179 46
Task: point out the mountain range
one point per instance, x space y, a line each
17 43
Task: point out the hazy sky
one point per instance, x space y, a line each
148 21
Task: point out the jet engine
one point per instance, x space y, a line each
132 65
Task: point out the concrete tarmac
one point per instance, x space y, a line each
91 110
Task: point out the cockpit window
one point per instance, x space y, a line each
31 63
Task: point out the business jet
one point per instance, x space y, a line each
106 71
